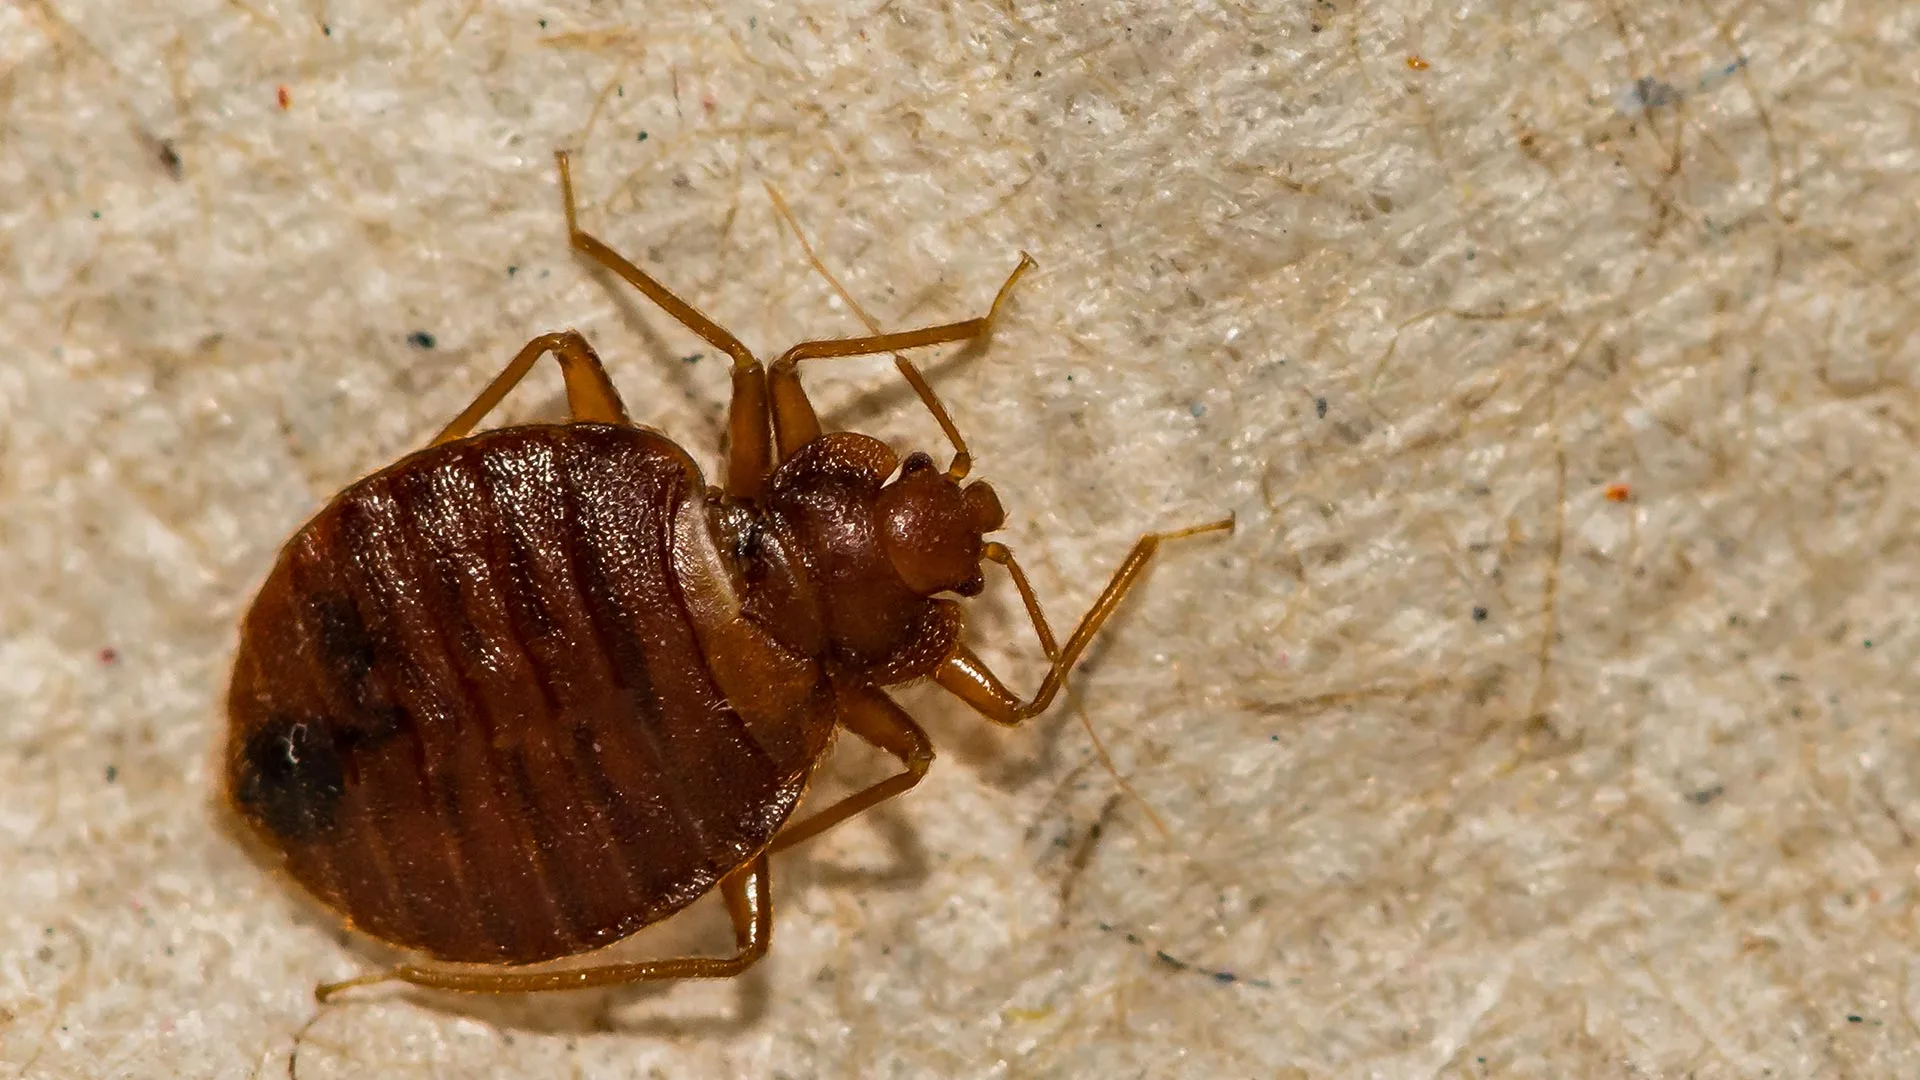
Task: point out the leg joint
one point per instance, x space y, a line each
920 759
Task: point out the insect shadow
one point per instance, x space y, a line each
902 866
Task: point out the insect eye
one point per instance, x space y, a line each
918 461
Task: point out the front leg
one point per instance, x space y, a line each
966 677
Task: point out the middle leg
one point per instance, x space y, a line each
794 422
869 713
749 454
962 460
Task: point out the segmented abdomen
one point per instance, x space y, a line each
471 712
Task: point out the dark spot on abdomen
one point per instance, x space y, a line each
370 726
291 777
343 636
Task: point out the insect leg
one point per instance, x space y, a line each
590 394
749 457
749 903
962 460
794 422
872 715
963 675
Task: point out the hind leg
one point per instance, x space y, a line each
749 902
590 394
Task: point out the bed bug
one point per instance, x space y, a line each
526 691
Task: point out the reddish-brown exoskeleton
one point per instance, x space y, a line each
524 692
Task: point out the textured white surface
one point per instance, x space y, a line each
1471 762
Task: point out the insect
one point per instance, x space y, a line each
523 692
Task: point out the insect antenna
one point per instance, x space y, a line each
962 460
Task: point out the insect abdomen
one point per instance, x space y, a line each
471 712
